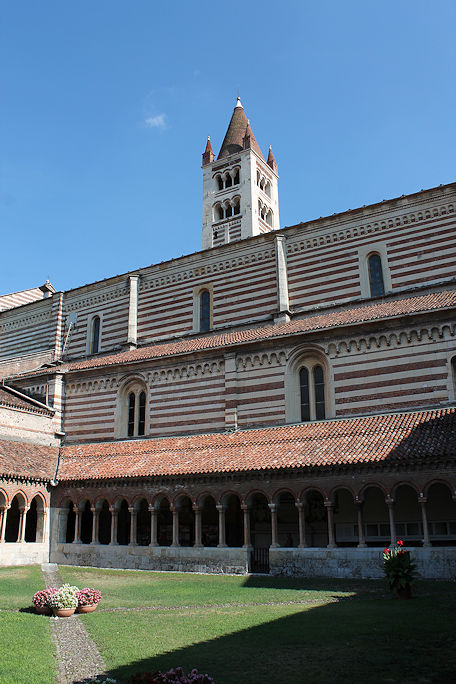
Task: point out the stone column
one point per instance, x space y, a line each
44 524
153 526
132 338
330 511
230 391
95 516
4 510
198 541
175 513
274 535
423 501
114 514
22 519
247 542
133 520
77 526
390 504
283 305
361 540
302 524
221 511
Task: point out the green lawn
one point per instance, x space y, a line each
329 631
26 651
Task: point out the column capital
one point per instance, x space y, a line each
422 500
245 507
389 500
132 509
328 503
93 509
24 509
220 507
272 507
196 508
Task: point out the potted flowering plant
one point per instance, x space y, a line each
88 600
41 600
65 601
400 570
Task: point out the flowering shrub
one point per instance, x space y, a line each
177 675
65 597
41 598
88 597
398 566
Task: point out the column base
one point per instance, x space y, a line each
362 546
222 546
331 546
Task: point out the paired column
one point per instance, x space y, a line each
198 539
114 514
246 512
4 510
153 526
274 535
133 520
330 513
221 511
95 516
175 513
302 524
22 519
77 525
390 503
423 501
359 509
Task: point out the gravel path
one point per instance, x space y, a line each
78 659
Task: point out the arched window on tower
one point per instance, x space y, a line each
376 283
236 179
205 311
236 206
219 182
94 335
228 180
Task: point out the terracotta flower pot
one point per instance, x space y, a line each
63 612
404 592
87 609
43 610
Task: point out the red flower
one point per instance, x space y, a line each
400 542
386 550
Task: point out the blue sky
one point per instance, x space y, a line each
106 106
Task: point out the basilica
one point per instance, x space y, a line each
282 401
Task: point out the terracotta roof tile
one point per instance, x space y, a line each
12 399
322 321
399 437
20 459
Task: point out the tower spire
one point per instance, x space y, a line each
234 138
208 154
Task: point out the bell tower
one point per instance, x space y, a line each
240 188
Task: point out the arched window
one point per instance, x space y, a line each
219 182
312 392
132 405
228 210
376 284
236 179
228 181
205 311
94 335
308 390
236 206
218 212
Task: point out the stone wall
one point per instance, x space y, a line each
435 562
165 558
24 554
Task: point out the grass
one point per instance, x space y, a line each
27 650
312 631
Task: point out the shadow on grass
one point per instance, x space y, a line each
28 609
369 640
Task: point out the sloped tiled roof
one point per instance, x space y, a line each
20 459
322 321
396 438
12 399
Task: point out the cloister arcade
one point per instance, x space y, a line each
22 518
371 517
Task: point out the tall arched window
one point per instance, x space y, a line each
205 311
95 335
376 284
132 409
312 392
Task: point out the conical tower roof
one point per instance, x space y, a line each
234 138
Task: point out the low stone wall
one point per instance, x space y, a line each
180 559
432 563
23 554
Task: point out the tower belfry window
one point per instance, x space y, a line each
136 413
